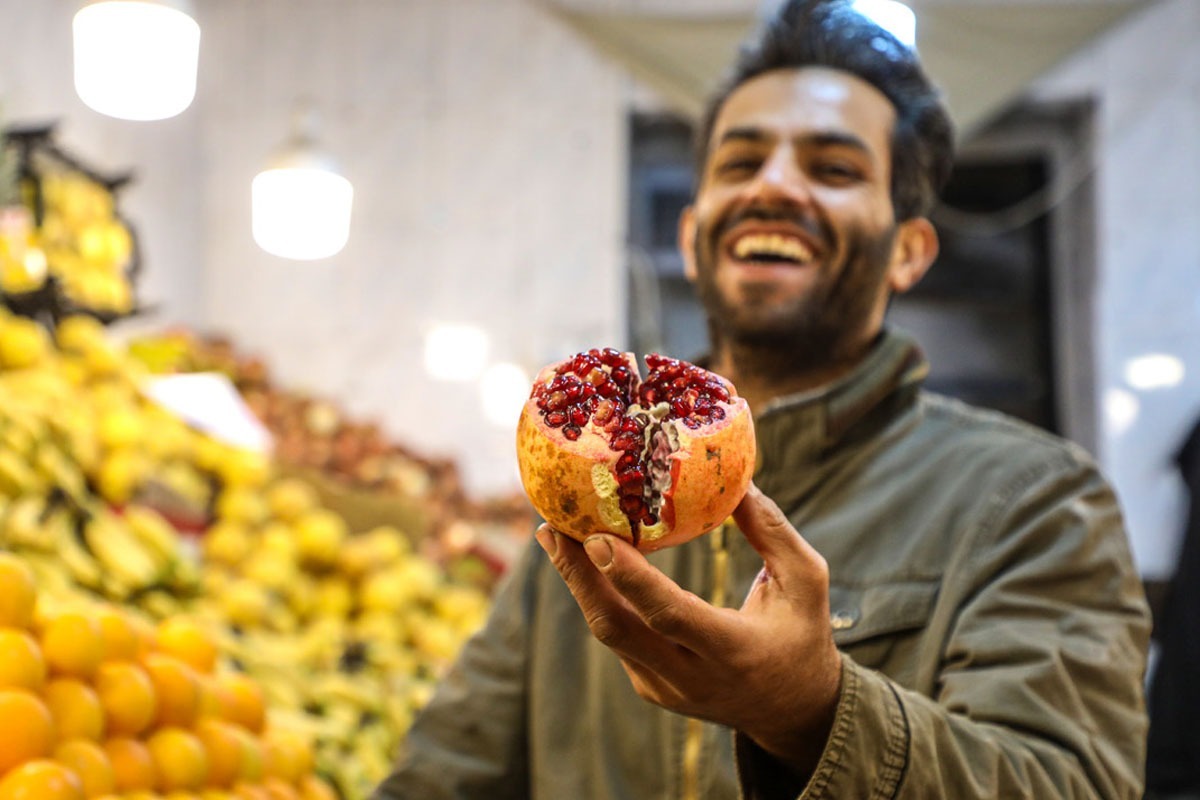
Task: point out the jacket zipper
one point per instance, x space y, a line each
693 742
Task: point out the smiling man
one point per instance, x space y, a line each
917 599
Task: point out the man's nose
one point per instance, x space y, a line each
781 178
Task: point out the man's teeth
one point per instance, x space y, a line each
771 245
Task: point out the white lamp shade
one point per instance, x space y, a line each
301 213
136 59
893 16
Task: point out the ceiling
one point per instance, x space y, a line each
982 54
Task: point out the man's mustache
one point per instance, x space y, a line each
810 225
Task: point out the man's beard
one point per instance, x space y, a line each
822 329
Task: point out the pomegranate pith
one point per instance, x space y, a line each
657 461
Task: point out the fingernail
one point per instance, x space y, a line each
599 551
548 539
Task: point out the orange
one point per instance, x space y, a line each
224 748
41 780
22 665
188 641
279 789
250 791
18 592
251 769
118 634
72 644
76 709
179 758
241 700
286 755
26 728
313 787
127 695
133 768
90 763
177 688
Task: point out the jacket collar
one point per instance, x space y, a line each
797 429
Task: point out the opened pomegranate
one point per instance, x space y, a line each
657 462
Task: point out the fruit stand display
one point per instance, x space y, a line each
269 638
342 630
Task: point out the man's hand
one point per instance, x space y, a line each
769 670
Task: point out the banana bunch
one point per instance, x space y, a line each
86 244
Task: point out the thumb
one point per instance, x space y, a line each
784 551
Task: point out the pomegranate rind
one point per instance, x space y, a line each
572 483
558 478
711 472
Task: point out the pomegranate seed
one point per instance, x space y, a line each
604 411
680 407
691 422
717 413
632 505
579 416
627 461
556 419
626 441
650 519
571 432
622 375
631 477
608 388
630 425
557 401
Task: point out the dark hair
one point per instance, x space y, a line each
829 33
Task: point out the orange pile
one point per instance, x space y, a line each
96 703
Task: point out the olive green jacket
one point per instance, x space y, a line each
992 626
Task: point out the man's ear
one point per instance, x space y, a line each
913 252
687 241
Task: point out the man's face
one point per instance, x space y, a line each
791 235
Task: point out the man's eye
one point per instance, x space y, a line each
737 166
839 171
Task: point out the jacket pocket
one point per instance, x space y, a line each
879 625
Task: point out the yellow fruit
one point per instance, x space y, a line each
224 748
73 644
22 665
242 504
319 537
90 763
227 542
313 787
288 498
177 688
241 700
133 767
286 755
41 780
179 759
120 474
18 592
76 709
188 641
26 728
119 636
246 604
23 343
127 695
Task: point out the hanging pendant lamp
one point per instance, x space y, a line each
136 59
301 204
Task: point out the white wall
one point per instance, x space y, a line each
487 152
1146 75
